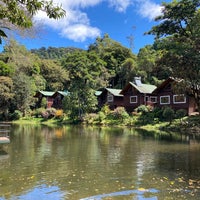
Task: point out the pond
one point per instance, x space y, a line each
92 163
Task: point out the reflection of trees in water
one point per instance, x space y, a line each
90 160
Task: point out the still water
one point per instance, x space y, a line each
87 163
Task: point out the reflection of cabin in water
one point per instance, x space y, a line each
4 134
53 99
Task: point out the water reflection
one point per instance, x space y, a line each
100 163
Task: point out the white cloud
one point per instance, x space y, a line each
76 24
149 9
80 32
120 5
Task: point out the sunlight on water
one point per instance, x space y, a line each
138 194
43 192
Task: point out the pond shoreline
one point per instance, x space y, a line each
189 125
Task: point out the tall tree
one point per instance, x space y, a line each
54 74
6 94
128 70
113 53
87 73
20 12
178 35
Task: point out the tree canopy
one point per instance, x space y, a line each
178 36
20 12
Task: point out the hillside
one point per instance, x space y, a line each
53 52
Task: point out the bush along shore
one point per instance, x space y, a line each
144 117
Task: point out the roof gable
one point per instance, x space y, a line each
164 84
142 88
63 93
114 92
44 93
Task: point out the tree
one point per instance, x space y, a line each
6 94
178 35
54 74
129 69
20 12
5 69
113 54
168 114
24 92
87 73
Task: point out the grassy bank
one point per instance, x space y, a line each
191 124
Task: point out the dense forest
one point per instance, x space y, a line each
106 63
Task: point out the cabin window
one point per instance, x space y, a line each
110 98
165 100
153 99
179 99
133 99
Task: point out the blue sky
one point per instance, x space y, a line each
87 19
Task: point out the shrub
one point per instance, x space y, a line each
143 109
120 113
38 112
181 113
90 118
49 113
101 116
106 110
168 114
15 115
59 113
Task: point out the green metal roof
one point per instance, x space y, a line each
47 93
115 92
64 93
97 93
144 88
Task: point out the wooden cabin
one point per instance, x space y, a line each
54 99
58 98
167 96
136 93
110 97
44 94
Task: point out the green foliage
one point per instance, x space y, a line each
16 115
181 113
38 112
6 93
168 114
54 74
128 70
53 52
23 97
101 117
91 118
48 113
120 114
44 102
114 55
5 69
143 109
20 13
105 109
178 39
